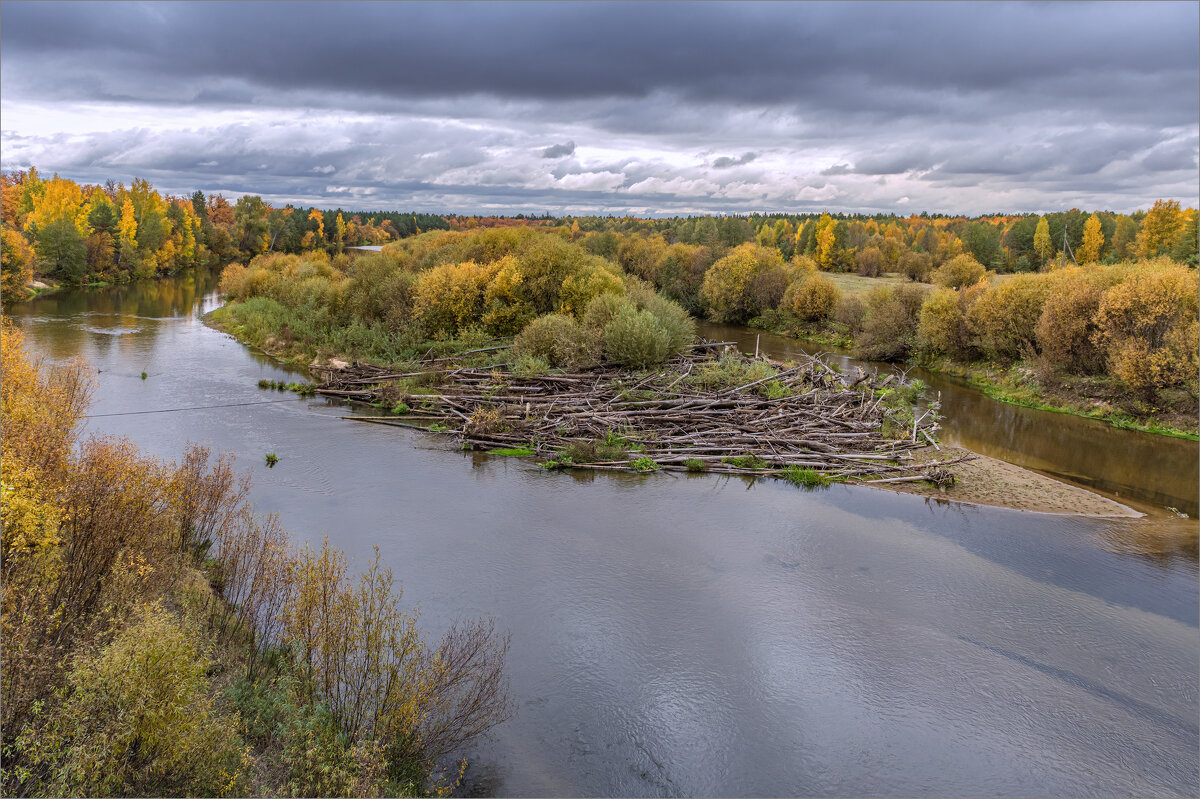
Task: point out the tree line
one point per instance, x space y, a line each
76 233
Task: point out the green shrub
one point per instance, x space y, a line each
636 339
730 370
695 465
530 366
136 720
558 339
601 309
678 323
644 464
512 452
806 477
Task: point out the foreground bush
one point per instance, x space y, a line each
135 591
636 339
137 720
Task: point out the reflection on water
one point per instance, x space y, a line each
698 635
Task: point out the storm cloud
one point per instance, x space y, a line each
939 107
559 150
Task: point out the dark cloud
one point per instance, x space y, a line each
954 104
736 52
724 162
559 150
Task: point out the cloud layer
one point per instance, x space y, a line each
642 108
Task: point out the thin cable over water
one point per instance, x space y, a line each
192 408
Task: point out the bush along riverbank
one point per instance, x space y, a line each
160 638
1117 343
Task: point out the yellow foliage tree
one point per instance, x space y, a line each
16 264
450 297
314 214
1093 241
1041 241
60 199
826 240
1160 228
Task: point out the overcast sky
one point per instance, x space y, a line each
613 108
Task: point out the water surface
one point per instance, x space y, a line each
703 635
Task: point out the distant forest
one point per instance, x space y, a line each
76 233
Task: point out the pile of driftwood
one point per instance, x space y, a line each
806 416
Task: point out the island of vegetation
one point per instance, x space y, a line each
523 341
162 639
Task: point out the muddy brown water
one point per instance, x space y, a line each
711 636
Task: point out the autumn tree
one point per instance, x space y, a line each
127 234
734 287
16 264
339 232
61 250
1042 244
826 239
1093 241
1160 229
251 232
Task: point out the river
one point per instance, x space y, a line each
700 635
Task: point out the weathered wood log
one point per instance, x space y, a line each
824 422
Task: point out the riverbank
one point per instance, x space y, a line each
1021 384
989 481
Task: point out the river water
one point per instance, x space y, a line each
702 635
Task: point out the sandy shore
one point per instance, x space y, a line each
988 481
